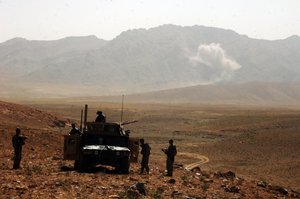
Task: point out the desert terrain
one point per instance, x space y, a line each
240 151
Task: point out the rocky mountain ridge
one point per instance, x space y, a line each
143 60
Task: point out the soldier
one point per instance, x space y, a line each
101 117
18 142
145 153
170 152
74 130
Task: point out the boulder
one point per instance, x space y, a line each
228 175
232 189
262 183
172 181
139 187
279 189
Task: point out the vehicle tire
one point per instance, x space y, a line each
124 165
76 165
83 164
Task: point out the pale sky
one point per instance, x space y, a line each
56 19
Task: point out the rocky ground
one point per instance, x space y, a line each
49 179
44 174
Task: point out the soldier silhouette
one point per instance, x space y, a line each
171 153
18 142
145 156
101 117
74 130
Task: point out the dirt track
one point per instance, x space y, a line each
201 160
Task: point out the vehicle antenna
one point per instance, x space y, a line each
122 108
85 117
81 118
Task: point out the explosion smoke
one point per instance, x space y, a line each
212 57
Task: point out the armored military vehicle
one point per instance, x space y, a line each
101 143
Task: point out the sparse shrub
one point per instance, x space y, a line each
122 195
29 170
127 195
36 169
202 178
154 194
204 186
157 194
185 180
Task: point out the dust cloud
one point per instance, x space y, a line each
213 58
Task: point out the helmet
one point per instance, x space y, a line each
18 130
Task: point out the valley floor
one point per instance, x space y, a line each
260 145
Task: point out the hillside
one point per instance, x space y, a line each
44 174
26 117
144 60
251 93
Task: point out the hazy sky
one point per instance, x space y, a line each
55 19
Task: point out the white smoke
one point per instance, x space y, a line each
213 59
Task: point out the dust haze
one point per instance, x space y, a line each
230 102
213 57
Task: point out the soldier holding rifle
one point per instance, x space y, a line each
171 153
18 142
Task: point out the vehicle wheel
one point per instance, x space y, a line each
124 165
83 164
76 165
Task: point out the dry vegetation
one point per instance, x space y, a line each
258 144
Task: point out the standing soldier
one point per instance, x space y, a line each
145 153
74 130
18 142
101 117
170 152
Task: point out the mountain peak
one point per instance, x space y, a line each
16 40
293 37
82 37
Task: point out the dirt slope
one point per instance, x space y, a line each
23 116
45 174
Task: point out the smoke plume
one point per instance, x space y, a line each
212 59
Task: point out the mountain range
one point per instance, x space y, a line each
144 60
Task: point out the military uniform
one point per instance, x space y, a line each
145 158
171 153
75 131
18 142
101 117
